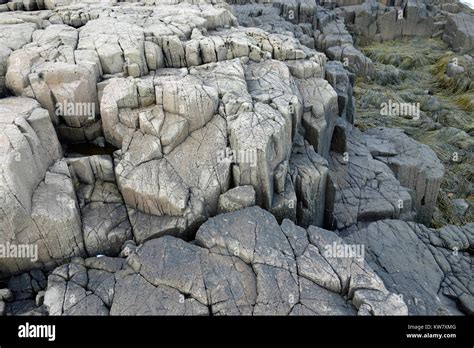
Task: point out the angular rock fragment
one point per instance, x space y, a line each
237 198
13 35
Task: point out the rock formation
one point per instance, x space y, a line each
201 158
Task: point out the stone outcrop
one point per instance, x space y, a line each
242 263
459 32
184 157
196 120
38 202
363 189
415 165
46 70
14 33
432 269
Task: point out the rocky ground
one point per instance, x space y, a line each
236 158
424 71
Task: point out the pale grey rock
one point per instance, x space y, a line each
150 299
208 117
105 221
67 295
159 121
6 295
46 69
316 300
320 103
313 266
105 227
37 198
237 198
461 206
277 290
459 32
39 299
13 35
333 38
453 69
179 193
385 20
230 284
309 172
273 127
342 81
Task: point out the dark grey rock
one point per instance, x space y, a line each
243 263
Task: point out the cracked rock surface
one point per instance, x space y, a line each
241 263
184 157
432 269
37 199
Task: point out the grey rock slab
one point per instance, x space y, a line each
415 262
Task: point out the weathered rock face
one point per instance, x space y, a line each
308 174
414 165
237 198
333 38
383 21
14 33
38 202
313 25
196 120
244 263
46 70
215 142
459 32
342 81
327 28
105 223
432 269
383 174
363 189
